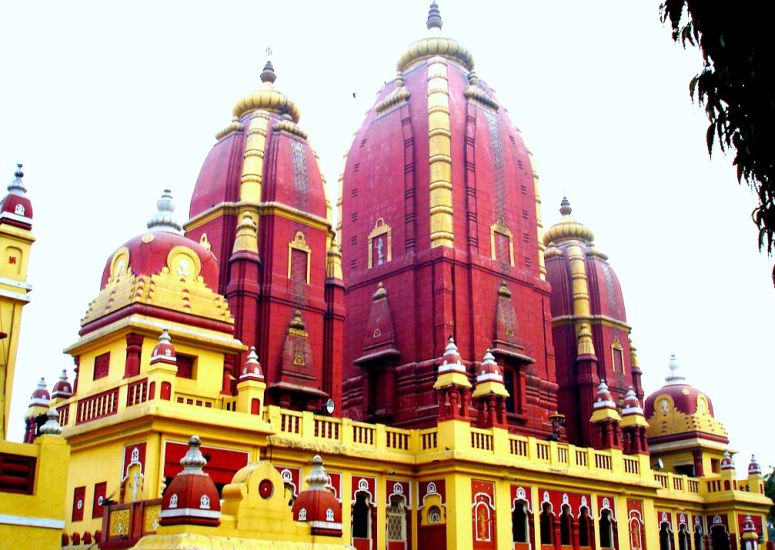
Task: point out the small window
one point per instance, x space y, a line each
186 365
606 530
565 526
519 523
585 526
546 523
79 503
100 493
361 514
396 521
101 366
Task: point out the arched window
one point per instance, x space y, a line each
585 528
434 515
520 527
547 523
719 538
683 538
606 530
396 520
699 540
565 526
665 537
361 516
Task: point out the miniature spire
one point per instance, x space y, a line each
604 399
268 74
193 461
727 463
164 220
62 389
489 369
16 187
565 208
252 368
451 354
753 467
164 351
585 344
246 238
381 293
434 17
40 397
674 377
631 403
51 427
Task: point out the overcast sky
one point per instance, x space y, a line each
107 104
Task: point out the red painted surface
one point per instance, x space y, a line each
261 294
79 503
100 492
166 391
483 520
134 453
291 476
435 293
222 464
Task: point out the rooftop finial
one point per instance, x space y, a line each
268 74
674 377
565 208
164 220
16 187
434 17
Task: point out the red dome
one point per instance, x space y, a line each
62 388
148 256
15 207
317 505
40 397
164 351
686 398
192 497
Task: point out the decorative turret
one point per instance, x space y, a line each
633 425
164 351
251 386
606 420
191 498
317 505
753 467
587 386
252 368
453 390
490 394
15 207
727 463
62 389
755 478
35 416
750 536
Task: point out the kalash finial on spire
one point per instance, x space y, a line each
164 220
674 377
434 17
268 74
16 187
565 208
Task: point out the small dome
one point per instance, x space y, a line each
40 397
727 463
489 369
62 389
604 399
191 498
753 467
251 370
631 404
164 351
15 207
161 248
685 397
452 361
317 504
51 427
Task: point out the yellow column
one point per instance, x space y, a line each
459 536
579 287
439 147
15 244
503 511
253 165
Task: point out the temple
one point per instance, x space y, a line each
429 368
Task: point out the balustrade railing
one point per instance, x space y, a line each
97 406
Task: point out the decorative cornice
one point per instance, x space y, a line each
234 126
397 96
435 45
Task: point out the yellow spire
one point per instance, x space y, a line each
246 239
585 345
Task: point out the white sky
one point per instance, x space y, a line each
107 104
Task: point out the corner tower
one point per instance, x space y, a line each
15 242
439 204
260 205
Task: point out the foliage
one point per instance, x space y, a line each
769 490
736 87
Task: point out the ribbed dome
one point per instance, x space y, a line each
685 397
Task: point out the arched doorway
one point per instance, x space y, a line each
361 521
546 521
684 540
719 538
606 530
665 536
585 528
566 527
520 524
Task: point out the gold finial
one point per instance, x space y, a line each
247 235
334 263
434 17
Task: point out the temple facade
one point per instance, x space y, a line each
435 371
